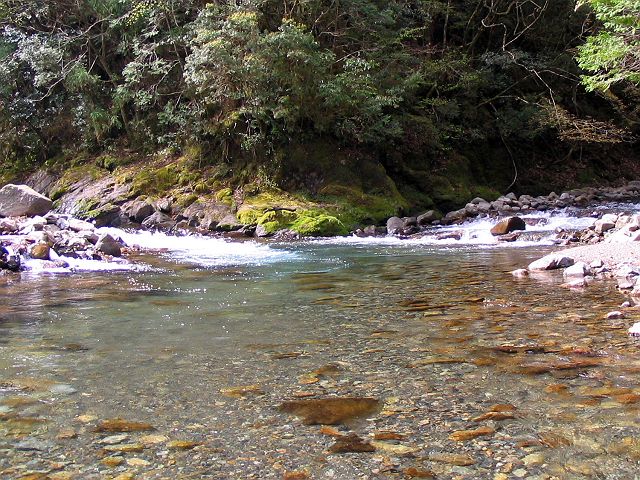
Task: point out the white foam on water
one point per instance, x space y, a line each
80 265
477 232
201 250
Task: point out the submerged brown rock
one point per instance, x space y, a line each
332 410
121 425
351 444
463 435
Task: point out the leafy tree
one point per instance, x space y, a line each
612 55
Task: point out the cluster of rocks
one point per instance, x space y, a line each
31 231
611 246
610 227
506 205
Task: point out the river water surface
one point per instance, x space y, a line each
203 342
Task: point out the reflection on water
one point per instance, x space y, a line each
446 339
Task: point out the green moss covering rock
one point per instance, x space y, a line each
318 224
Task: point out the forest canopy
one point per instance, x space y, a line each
418 78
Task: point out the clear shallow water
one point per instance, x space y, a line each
439 334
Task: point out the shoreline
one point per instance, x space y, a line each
42 234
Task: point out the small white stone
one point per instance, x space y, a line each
635 330
62 389
614 315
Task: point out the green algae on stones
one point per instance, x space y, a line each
318 224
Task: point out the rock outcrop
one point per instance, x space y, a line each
20 200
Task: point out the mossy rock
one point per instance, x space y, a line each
318 224
354 207
255 206
225 196
275 220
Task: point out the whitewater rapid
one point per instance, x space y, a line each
210 252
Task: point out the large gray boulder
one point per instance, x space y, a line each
19 200
139 210
551 262
394 225
109 245
427 217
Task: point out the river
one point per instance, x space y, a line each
476 374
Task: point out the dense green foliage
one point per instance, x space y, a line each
613 55
408 81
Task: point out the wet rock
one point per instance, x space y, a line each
229 223
533 459
114 439
456 235
109 245
462 460
20 200
520 273
577 270
464 435
627 398
615 315
606 223
575 284
124 448
121 425
393 448
32 444
66 434
242 391
153 439
553 440
351 444
9 259
427 217
551 262
634 330
508 225
159 220
455 216
139 210
332 410
495 416
394 225
108 215
182 445
40 251
62 389
413 472
388 436
331 431
138 462
79 225
112 462
296 475
8 226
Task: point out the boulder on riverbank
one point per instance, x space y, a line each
508 225
47 239
20 200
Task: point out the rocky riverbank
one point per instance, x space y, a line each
610 250
506 205
33 231
30 230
